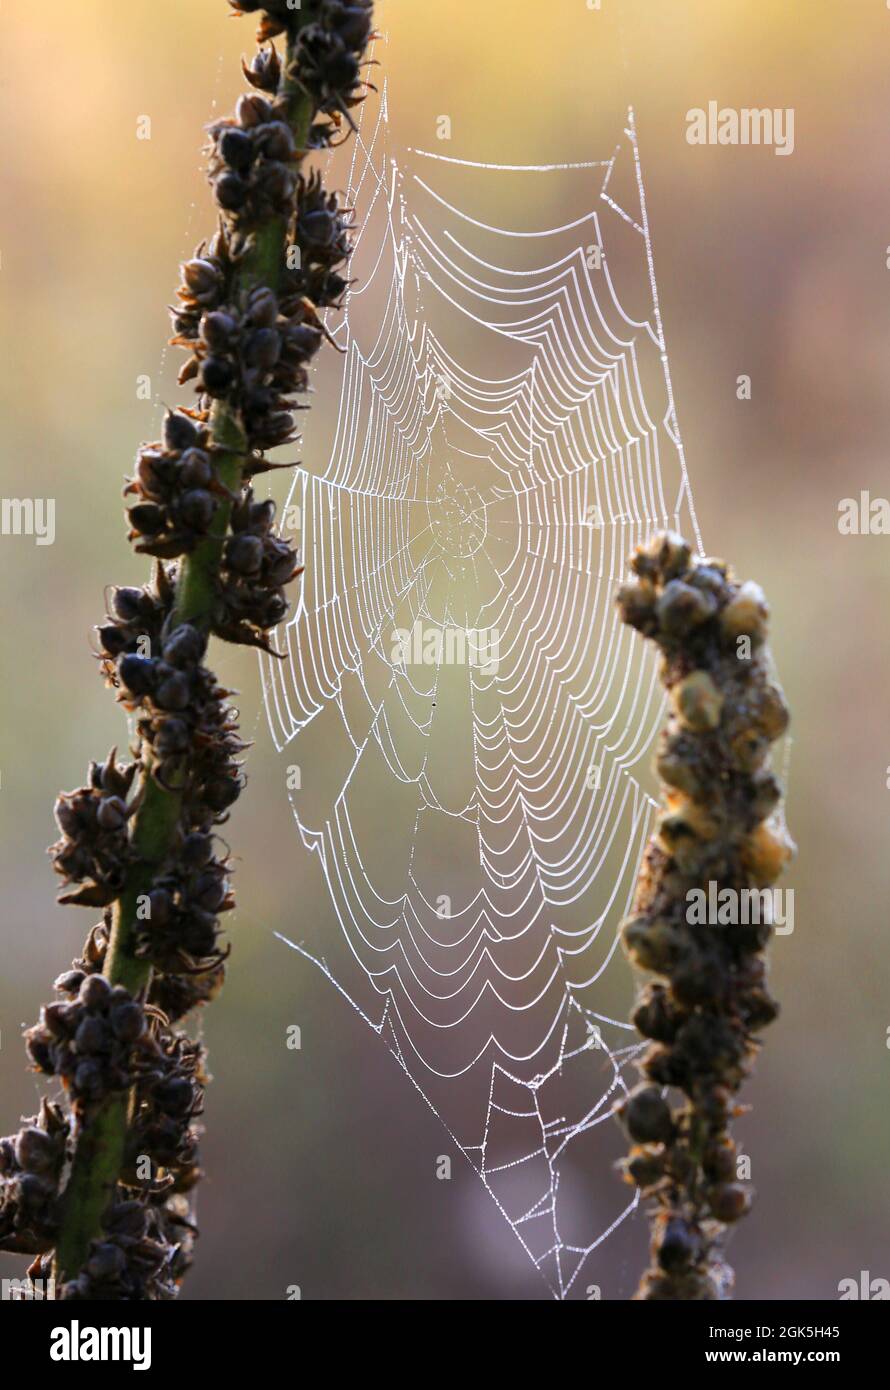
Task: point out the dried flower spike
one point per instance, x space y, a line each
99 1189
703 906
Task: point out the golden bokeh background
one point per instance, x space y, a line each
321 1163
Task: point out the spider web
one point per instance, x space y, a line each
506 434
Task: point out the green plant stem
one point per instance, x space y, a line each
101 1138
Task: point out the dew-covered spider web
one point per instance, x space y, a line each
465 725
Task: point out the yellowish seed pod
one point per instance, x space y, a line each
678 764
746 615
772 713
699 820
765 853
748 750
651 945
698 702
673 554
636 603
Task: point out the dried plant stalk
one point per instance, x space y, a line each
97 1186
702 912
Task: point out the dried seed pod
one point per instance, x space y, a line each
264 71
719 1158
679 1245
729 1201
647 1116
94 850
35 1150
682 607
244 554
656 1015
746 615
180 432
173 692
216 376
178 995
643 1167
185 646
327 61
651 944
79 1043
174 514
698 702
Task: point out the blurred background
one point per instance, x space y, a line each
776 268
